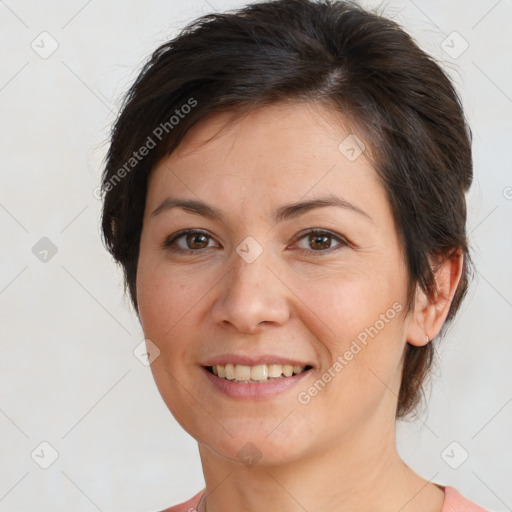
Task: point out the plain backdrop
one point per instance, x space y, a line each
68 376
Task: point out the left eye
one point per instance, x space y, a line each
320 240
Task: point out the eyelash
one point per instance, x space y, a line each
170 241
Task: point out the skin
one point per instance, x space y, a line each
338 452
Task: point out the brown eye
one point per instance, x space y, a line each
196 240
191 240
320 241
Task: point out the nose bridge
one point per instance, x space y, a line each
251 293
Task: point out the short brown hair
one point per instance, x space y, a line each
355 61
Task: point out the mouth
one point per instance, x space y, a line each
257 374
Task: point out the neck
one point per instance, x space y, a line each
362 472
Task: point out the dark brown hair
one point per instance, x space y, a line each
357 62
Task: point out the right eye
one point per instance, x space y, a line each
192 240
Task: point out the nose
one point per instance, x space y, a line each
251 294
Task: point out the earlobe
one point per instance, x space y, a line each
430 314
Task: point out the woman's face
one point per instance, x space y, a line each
255 287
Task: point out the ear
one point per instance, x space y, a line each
429 315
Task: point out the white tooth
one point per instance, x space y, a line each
275 370
259 372
229 369
288 370
242 372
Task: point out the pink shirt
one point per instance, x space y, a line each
453 502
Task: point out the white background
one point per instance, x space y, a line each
67 372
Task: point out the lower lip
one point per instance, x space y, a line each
254 391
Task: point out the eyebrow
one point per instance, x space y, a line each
288 211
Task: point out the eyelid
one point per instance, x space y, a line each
343 242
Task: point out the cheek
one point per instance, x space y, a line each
348 304
362 332
164 300
166 309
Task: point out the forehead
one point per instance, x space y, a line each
286 151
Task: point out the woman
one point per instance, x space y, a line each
284 191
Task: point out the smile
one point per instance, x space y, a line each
238 381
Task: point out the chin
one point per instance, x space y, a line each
268 441
250 451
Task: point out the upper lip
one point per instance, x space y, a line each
253 360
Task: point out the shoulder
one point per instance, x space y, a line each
186 506
455 502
